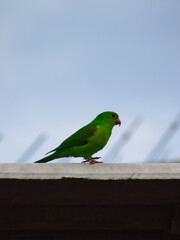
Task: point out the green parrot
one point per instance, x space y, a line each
87 140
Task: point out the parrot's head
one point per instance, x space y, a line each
110 118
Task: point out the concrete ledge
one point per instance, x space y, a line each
127 171
82 200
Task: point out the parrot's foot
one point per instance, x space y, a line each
92 161
96 157
85 161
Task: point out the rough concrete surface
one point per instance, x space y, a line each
97 171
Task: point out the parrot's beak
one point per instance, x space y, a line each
118 122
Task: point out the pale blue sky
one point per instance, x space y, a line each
64 62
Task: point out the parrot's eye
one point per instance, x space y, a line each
113 115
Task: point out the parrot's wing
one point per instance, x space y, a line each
79 138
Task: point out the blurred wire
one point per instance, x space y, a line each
32 148
123 140
1 136
160 146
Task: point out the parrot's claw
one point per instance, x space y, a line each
85 161
92 161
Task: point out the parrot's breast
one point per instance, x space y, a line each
98 140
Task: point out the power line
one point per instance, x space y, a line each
38 142
123 140
166 137
1 136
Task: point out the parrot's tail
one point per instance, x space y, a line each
46 159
